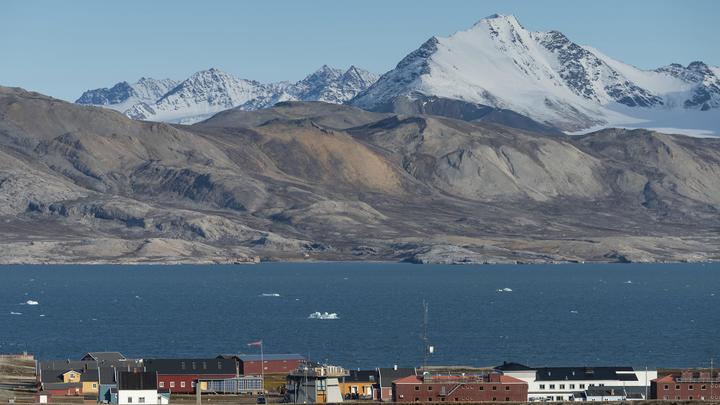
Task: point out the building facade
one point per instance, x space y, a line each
359 384
564 383
459 388
315 384
181 375
254 364
386 376
688 386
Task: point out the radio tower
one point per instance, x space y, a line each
427 349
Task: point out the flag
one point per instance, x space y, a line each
258 343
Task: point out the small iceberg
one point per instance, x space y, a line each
269 295
32 302
572 311
323 315
42 315
504 289
628 282
15 313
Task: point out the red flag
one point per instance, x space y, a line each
258 343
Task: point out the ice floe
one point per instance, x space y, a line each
323 315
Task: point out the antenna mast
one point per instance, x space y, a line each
427 349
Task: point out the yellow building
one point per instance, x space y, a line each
358 385
71 376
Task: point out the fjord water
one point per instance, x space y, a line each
658 315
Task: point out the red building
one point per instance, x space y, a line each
459 388
249 364
689 386
181 375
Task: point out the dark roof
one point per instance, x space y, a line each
191 366
361 376
81 365
137 381
60 386
103 356
266 357
388 375
512 366
89 375
583 373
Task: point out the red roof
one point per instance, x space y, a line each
411 379
666 379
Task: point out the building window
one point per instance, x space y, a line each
552 386
417 388
667 387
162 384
507 398
690 397
562 386
582 386
559 398
417 399
690 387
182 384
507 388
494 388
542 386
95 385
172 384
129 400
703 387
429 387
482 387
677 387
141 400
572 386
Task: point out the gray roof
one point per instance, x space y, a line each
583 373
191 366
388 375
103 356
270 357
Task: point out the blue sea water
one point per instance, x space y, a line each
641 315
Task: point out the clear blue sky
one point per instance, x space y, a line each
61 48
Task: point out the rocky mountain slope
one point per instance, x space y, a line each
210 91
312 180
545 76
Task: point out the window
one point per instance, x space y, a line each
507 398
667 387
429 387
582 386
182 384
507 388
162 384
690 387
417 399
95 385
494 399
494 388
417 388
559 398
677 387
552 386
703 387
572 386
172 384
562 386
542 386
141 400
129 400
690 397
482 388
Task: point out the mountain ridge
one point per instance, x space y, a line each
210 91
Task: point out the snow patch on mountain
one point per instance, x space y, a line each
545 76
123 95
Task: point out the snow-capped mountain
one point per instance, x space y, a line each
548 78
124 95
208 92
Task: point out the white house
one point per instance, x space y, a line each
565 383
139 388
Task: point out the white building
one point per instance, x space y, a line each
565 383
139 388
315 384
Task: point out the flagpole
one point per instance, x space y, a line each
262 368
